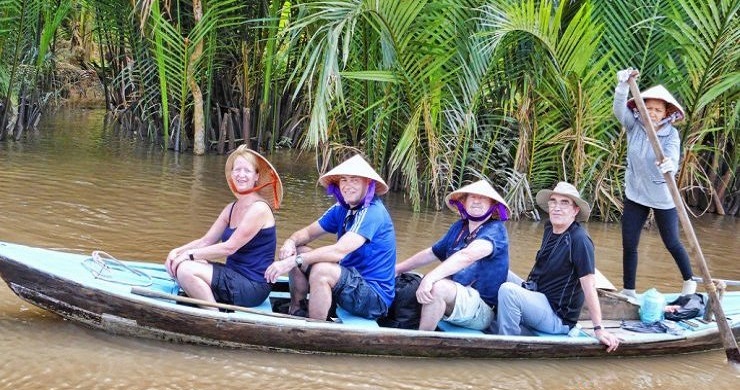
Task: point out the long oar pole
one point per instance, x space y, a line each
731 349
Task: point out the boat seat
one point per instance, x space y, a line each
345 316
351 319
264 306
280 294
165 286
448 327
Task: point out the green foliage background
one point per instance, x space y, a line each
434 93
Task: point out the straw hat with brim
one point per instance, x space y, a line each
659 92
355 166
565 189
269 183
481 188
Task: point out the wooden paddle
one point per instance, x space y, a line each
728 339
194 301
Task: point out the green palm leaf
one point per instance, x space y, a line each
707 35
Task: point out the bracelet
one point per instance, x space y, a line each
597 327
190 256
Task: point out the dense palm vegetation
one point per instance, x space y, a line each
434 93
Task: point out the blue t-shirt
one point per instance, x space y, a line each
375 260
486 274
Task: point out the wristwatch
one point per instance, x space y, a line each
298 260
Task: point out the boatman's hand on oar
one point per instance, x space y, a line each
666 166
624 75
608 339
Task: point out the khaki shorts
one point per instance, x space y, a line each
470 310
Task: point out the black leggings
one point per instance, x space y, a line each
633 220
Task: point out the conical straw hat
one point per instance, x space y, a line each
355 166
482 188
659 92
271 187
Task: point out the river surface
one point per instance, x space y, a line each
76 186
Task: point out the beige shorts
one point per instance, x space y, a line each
470 310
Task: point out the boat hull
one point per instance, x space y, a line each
114 309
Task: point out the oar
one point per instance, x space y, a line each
194 301
731 349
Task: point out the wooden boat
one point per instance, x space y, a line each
97 292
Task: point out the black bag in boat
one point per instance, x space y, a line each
692 305
405 311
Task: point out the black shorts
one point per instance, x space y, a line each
229 286
355 295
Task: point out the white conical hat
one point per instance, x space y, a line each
269 180
659 92
355 166
569 190
480 187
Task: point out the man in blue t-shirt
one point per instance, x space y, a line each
563 276
357 271
463 289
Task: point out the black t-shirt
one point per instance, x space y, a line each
561 261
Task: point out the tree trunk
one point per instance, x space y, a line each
199 132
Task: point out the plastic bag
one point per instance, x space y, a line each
651 309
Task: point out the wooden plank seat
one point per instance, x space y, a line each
343 315
266 305
351 319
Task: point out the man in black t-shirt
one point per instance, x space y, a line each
562 278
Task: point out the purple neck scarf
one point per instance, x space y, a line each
498 207
332 189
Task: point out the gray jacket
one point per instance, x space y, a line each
644 181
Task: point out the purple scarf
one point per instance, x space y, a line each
332 189
498 207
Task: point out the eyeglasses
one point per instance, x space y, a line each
564 204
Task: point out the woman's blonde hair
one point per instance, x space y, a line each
247 154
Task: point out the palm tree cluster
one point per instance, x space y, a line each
435 93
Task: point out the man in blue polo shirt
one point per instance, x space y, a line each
358 270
